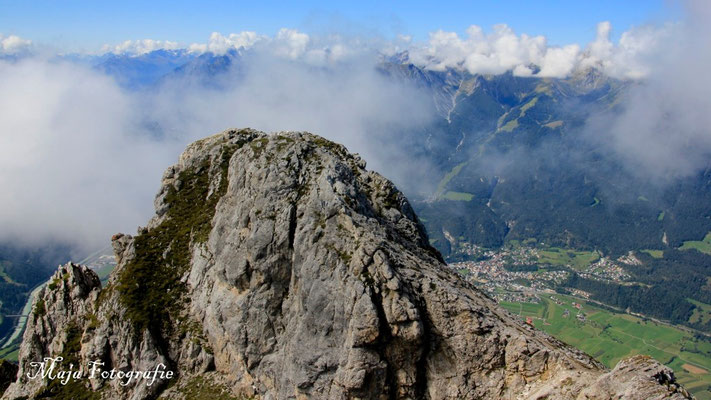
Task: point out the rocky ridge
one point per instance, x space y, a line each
278 267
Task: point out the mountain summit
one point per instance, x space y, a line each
278 267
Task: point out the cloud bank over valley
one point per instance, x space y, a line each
81 154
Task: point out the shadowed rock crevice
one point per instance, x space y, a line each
8 374
292 225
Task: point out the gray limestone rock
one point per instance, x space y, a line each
278 267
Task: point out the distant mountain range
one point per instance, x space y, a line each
518 162
514 160
145 70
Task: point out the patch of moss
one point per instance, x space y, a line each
74 389
72 346
197 336
391 200
282 142
93 321
258 145
201 388
386 195
104 294
149 286
327 144
40 309
54 284
345 257
367 278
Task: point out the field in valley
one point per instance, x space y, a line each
610 336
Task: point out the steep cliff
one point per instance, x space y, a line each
277 267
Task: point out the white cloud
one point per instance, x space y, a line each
559 61
496 52
81 158
139 47
503 50
663 127
290 43
219 44
72 163
600 50
14 44
632 57
287 43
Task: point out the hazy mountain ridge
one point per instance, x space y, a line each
527 160
143 70
523 146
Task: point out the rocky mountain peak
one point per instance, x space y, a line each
278 267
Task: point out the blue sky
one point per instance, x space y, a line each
86 25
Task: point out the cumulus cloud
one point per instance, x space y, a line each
81 158
633 56
290 43
139 47
12 45
662 128
496 52
503 50
70 155
287 44
219 44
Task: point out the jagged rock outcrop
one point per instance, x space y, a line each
278 267
55 325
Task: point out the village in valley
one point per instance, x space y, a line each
521 274
530 282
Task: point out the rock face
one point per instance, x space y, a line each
278 267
